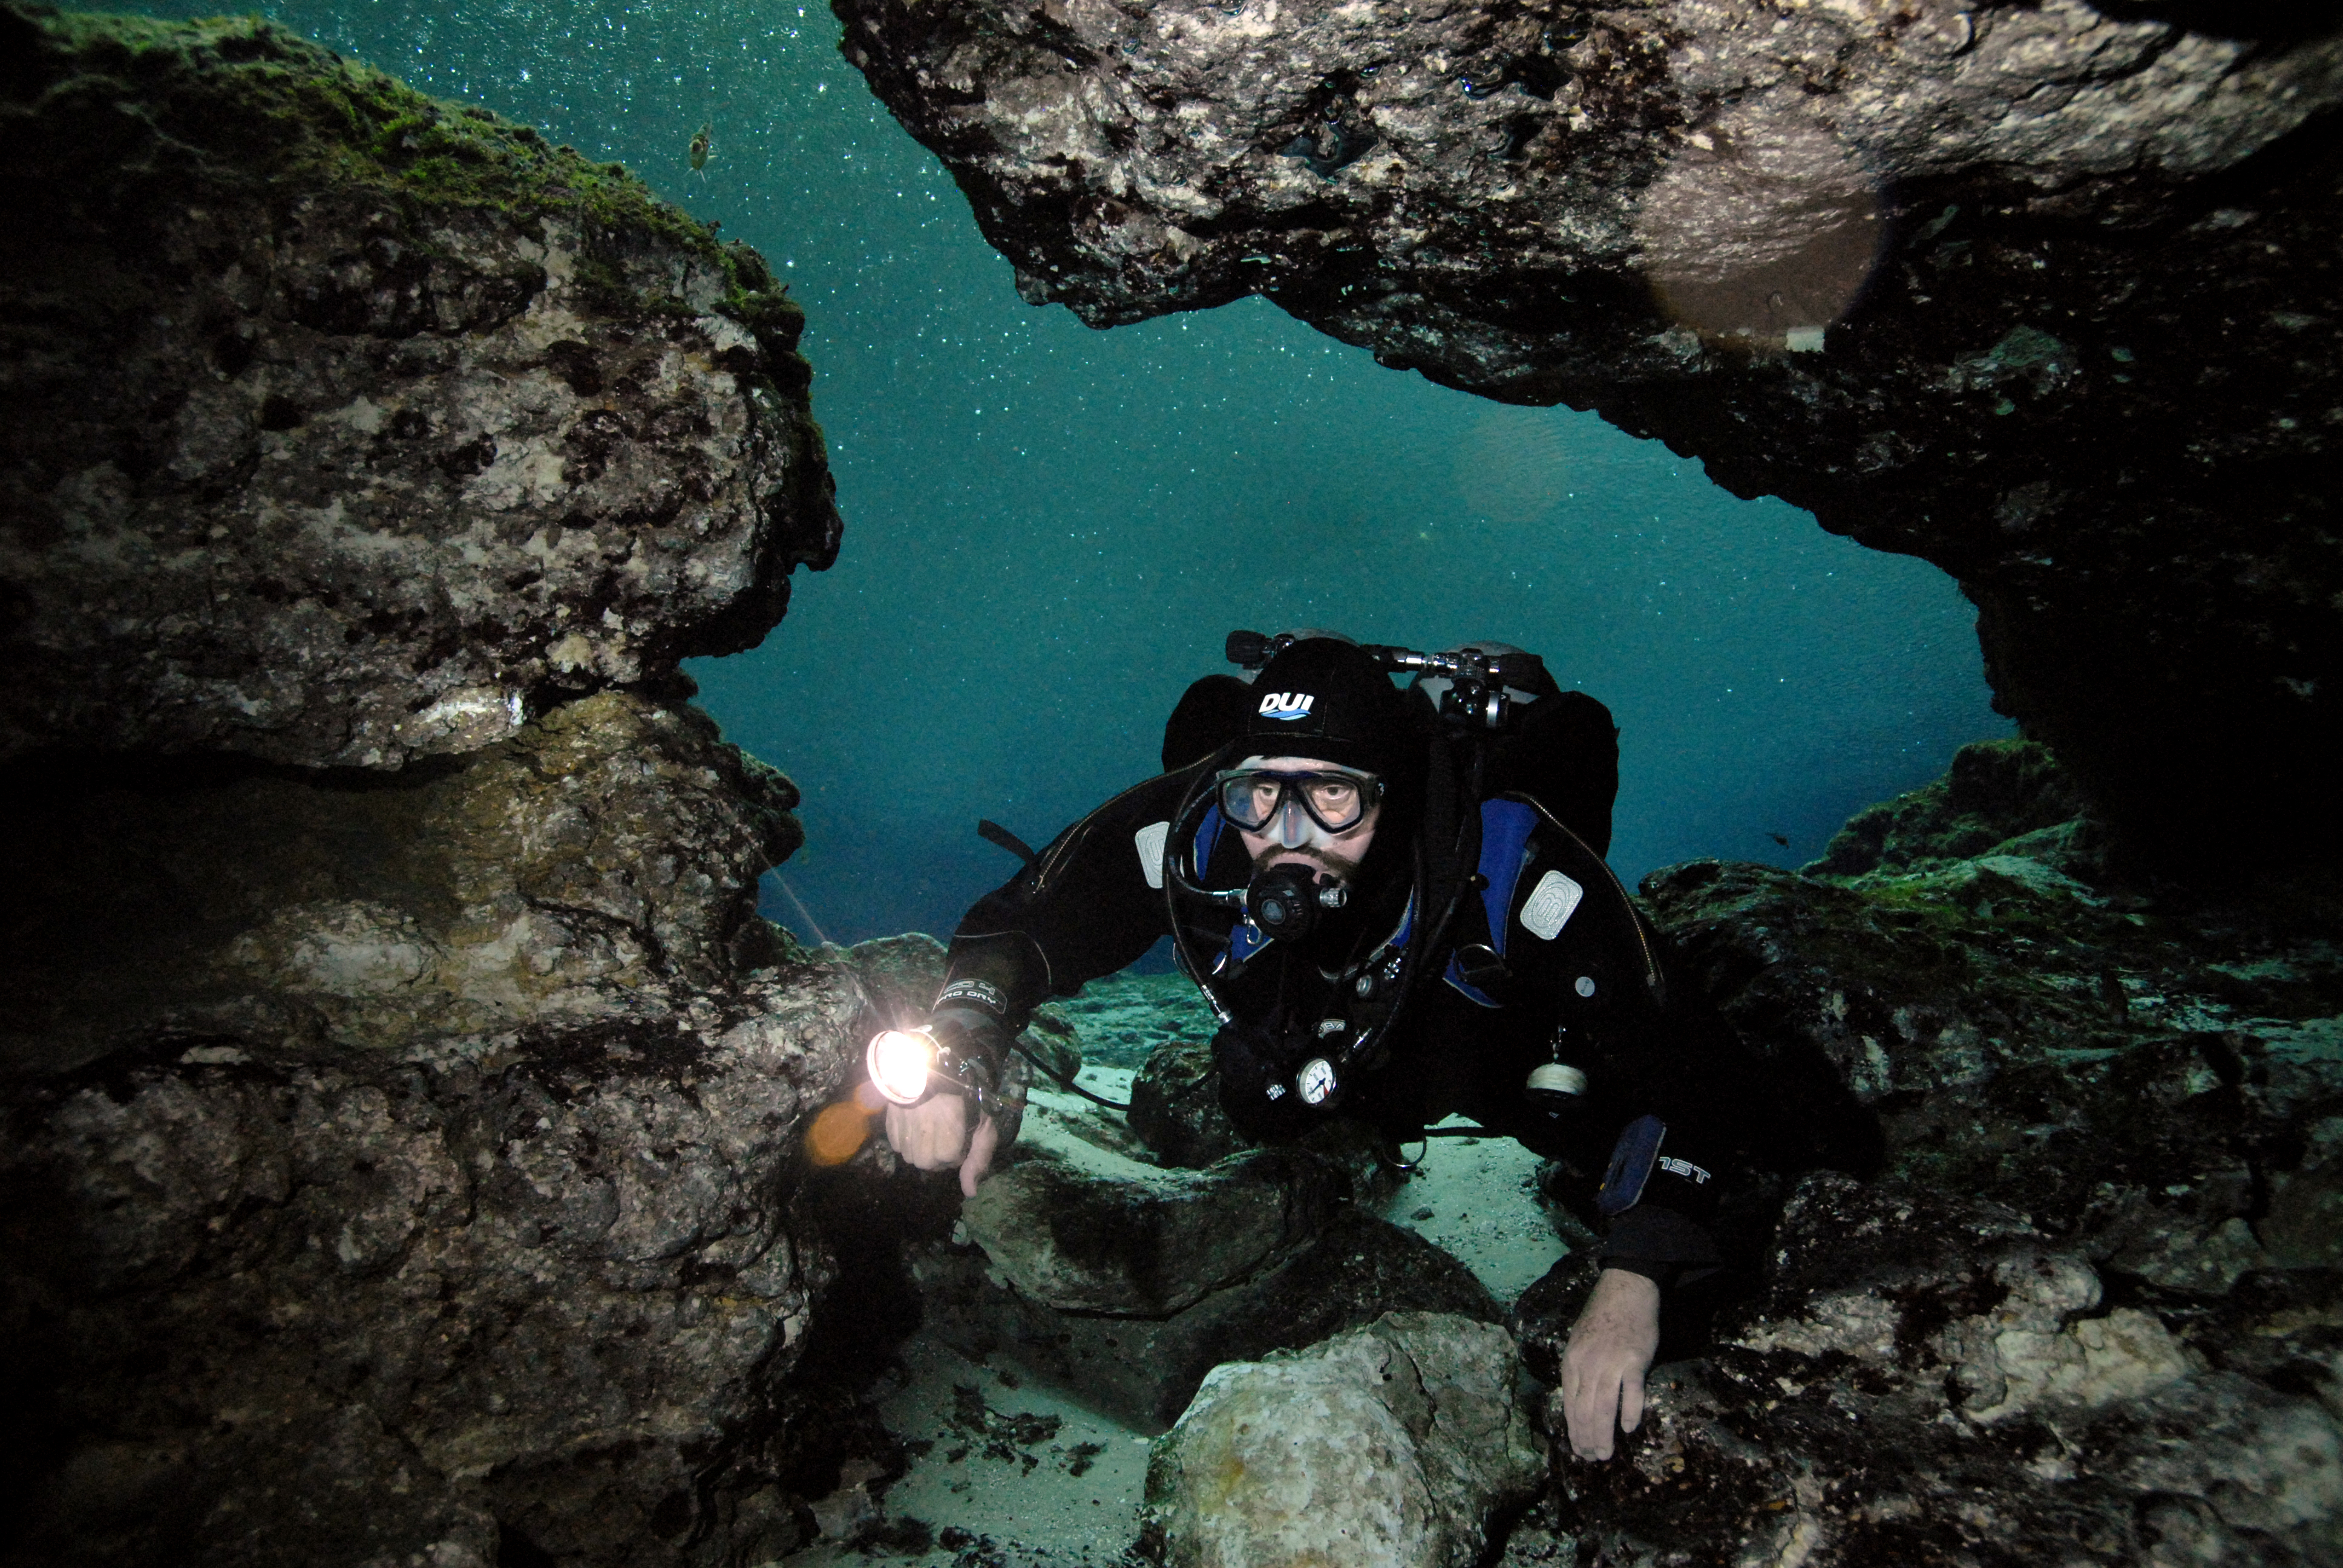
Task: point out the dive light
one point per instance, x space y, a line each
907 1065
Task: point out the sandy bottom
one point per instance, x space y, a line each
1003 1472
1007 1472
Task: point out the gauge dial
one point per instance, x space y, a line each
1316 1081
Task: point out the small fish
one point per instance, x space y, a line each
1779 839
699 148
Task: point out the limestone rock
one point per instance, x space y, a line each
284 1301
342 427
2071 1318
2130 1075
1995 790
405 1166
609 848
1928 1377
1390 1446
1146 1369
1097 1268
2033 292
1080 1229
401 1105
1175 1107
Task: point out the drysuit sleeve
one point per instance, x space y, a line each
1664 1072
1090 904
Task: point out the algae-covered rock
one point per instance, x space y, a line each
1146 1369
2137 1073
1389 1446
1995 791
1080 1229
1093 1264
1175 1107
340 426
401 1103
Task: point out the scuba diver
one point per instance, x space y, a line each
1397 907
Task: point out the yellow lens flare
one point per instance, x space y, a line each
900 1061
837 1133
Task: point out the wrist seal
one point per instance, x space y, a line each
974 1036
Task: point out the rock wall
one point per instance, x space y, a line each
2041 293
276 1302
2092 1306
340 427
609 849
401 1104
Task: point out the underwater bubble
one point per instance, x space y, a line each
1761 226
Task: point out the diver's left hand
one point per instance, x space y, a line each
1611 1349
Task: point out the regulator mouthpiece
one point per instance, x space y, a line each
1556 1078
1285 901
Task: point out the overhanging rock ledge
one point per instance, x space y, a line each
2043 294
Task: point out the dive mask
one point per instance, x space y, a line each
1337 799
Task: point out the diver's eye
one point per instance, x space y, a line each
1335 798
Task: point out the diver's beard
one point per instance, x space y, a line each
1339 868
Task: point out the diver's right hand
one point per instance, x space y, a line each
935 1135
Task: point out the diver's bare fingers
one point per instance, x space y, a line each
1590 1433
1589 1415
1631 1399
930 1135
979 1160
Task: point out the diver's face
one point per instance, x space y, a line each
1292 838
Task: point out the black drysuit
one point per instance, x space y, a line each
1582 982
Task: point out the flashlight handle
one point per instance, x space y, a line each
970 1037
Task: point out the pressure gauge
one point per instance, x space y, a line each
1316 1081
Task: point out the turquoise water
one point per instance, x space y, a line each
1049 530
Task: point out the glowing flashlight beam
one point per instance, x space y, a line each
900 1062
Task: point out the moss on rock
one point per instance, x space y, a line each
340 426
245 104
1995 791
